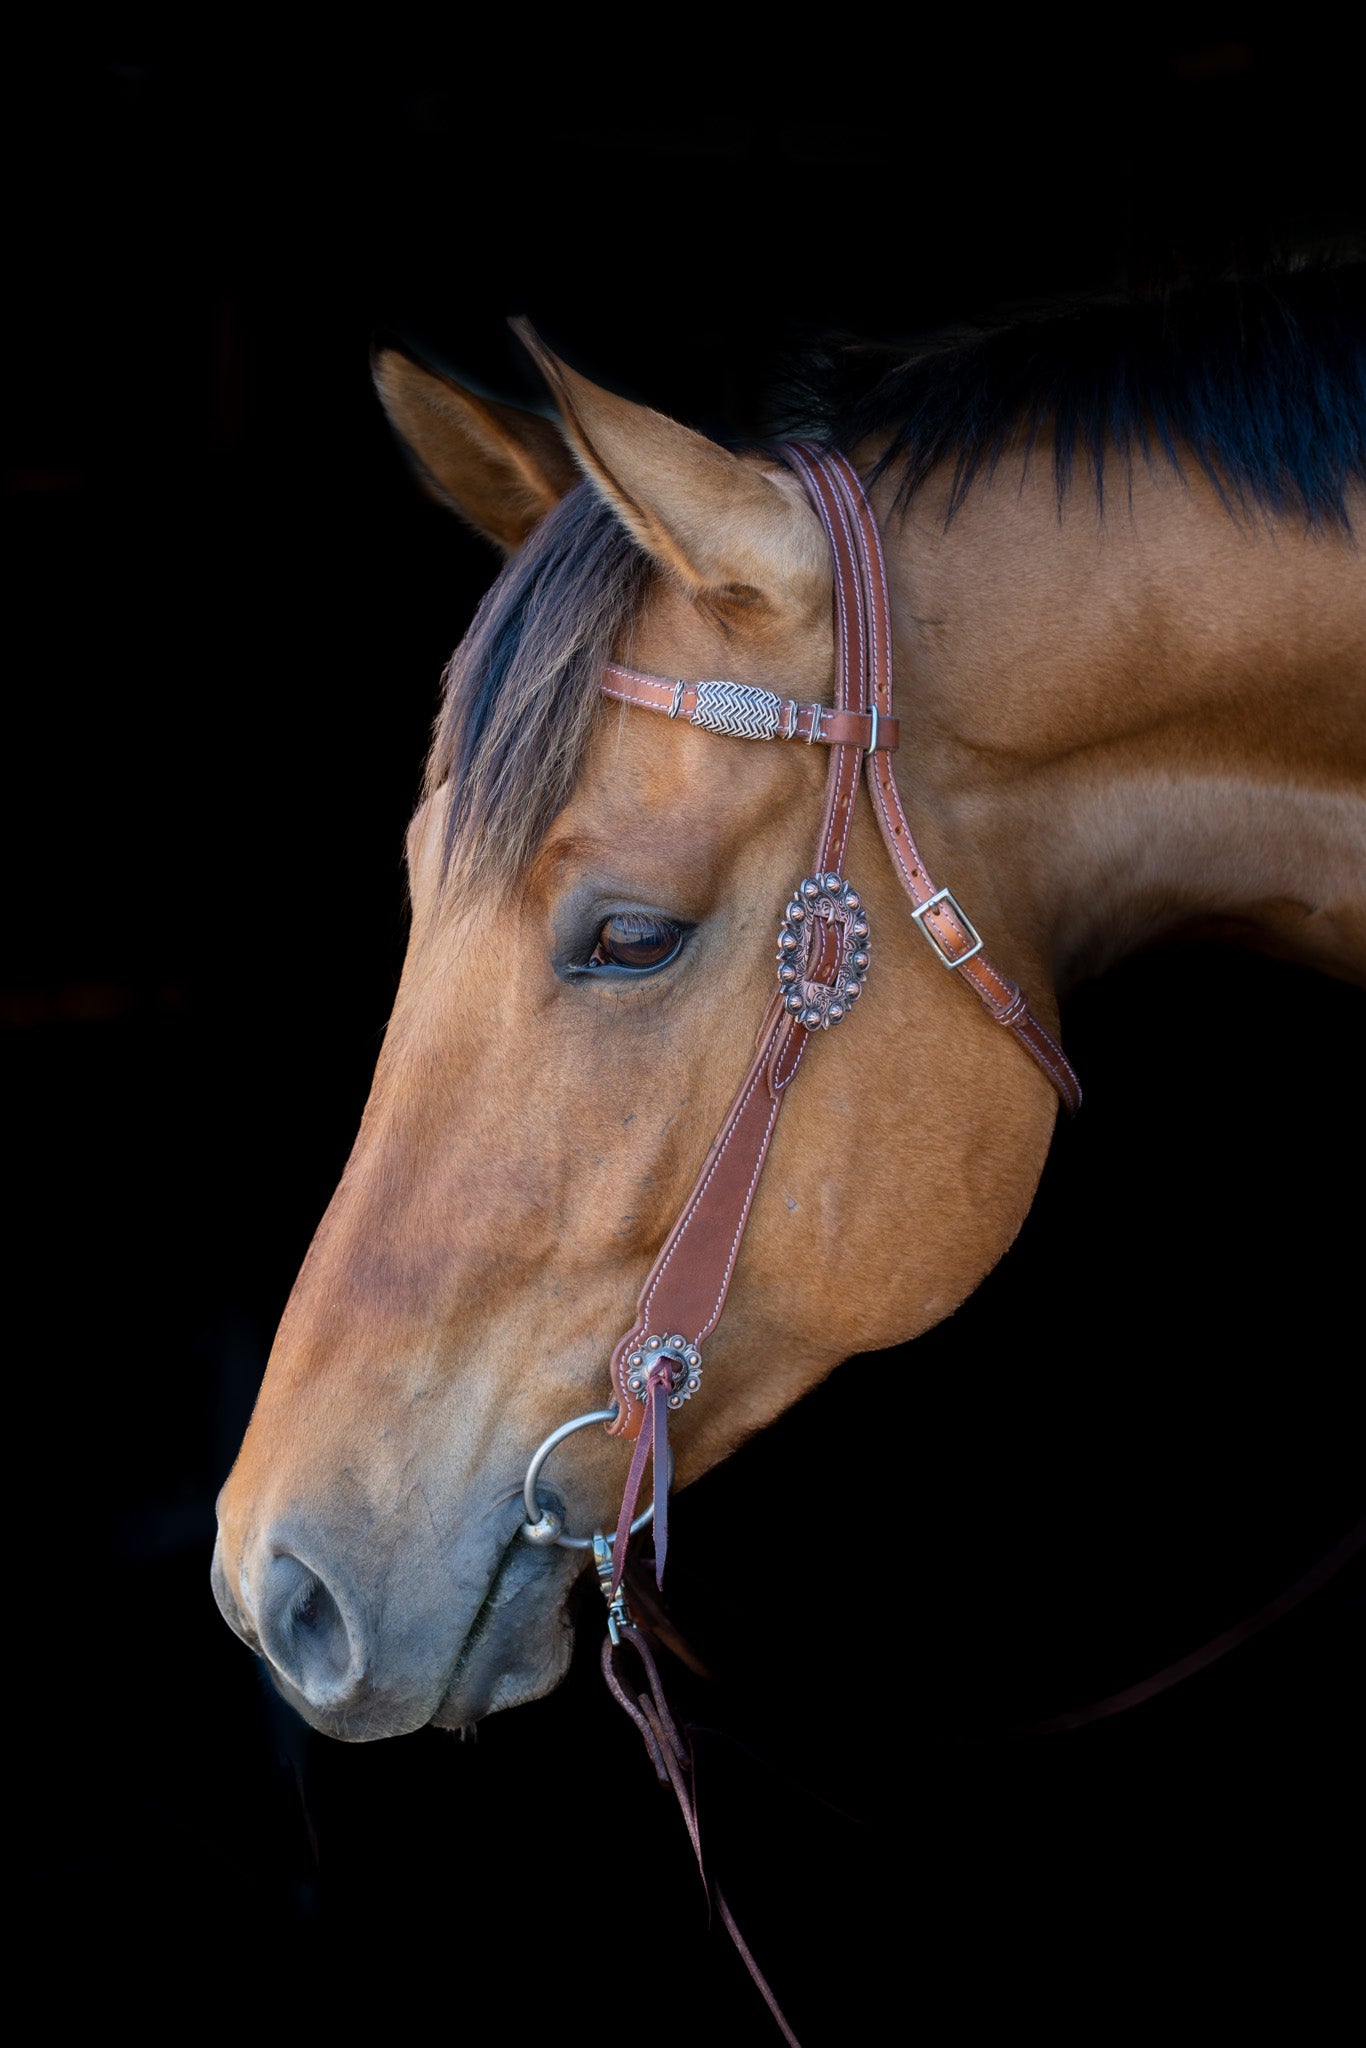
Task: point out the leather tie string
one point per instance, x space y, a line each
652 1441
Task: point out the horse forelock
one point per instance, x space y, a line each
520 695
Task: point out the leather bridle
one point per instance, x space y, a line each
823 955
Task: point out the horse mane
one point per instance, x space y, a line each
1261 383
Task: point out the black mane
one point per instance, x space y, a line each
1262 384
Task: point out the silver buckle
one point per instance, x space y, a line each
949 960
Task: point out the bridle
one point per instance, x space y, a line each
824 949
823 955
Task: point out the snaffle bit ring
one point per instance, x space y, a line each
542 1525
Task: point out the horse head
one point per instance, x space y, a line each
594 901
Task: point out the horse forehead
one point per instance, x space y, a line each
667 809
789 650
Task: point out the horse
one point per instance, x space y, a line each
1129 632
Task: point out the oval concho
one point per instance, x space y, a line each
822 951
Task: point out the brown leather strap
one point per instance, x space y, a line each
740 711
686 1288
1209 1653
685 1291
839 498
687 1285
673 1767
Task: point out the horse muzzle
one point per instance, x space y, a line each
360 1661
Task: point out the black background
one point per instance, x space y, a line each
229 610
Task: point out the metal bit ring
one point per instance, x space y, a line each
542 1525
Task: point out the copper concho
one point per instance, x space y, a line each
683 1359
822 951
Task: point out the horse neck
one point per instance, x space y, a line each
1119 727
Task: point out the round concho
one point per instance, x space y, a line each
683 1359
822 951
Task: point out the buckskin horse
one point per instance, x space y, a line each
1128 620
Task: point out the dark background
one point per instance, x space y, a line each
229 610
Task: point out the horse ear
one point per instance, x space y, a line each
729 531
500 468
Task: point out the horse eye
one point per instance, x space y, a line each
632 939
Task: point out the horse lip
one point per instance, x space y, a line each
521 1568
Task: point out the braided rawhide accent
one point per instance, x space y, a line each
739 710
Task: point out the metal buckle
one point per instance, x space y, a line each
949 960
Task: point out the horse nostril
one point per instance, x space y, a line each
307 1605
304 1632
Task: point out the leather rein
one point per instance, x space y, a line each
823 956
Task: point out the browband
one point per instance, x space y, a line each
742 712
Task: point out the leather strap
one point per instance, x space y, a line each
839 498
686 1289
782 718
672 1760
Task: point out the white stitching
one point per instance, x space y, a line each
841 801
846 480
863 680
1011 1010
797 1045
800 452
857 763
684 1222
875 553
887 796
744 1218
